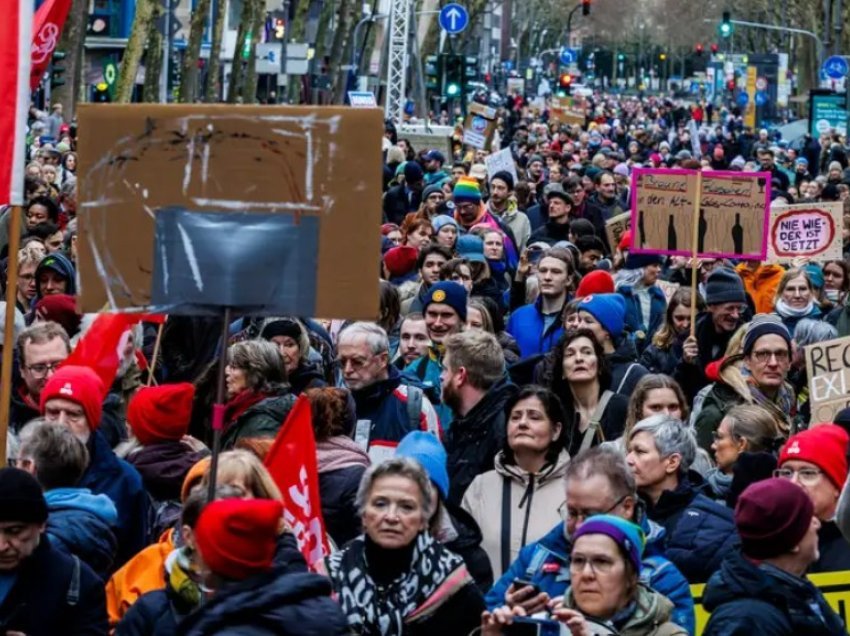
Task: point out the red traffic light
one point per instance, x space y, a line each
585 7
698 49
714 48
730 85
566 79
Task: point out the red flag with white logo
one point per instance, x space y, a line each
49 20
292 463
15 42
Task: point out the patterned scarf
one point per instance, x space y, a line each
435 574
783 407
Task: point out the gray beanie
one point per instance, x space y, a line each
724 286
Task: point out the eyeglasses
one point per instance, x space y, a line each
781 355
41 369
574 514
808 476
599 565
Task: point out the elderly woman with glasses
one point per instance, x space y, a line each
700 531
759 376
816 460
606 595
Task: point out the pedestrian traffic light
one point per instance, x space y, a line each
433 72
726 28
714 48
698 50
585 7
100 94
565 81
470 69
57 69
621 57
453 75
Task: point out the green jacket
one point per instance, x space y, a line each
650 618
263 419
717 403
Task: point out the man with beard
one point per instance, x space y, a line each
413 340
603 205
476 389
445 314
387 408
557 228
767 162
502 206
469 212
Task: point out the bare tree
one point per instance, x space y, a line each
134 50
71 42
213 88
189 78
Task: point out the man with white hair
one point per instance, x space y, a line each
387 409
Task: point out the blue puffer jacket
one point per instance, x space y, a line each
634 314
745 598
272 604
700 531
82 523
526 325
546 563
108 475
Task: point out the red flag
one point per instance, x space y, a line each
102 346
15 41
292 463
49 20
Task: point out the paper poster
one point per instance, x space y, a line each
501 161
615 227
809 230
479 126
568 110
732 217
296 161
828 368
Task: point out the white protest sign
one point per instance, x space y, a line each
809 230
501 161
828 368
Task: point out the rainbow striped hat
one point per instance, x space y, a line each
467 191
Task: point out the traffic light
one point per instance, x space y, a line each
662 56
565 81
726 28
453 75
100 95
698 50
714 48
278 24
585 7
433 71
57 69
470 69
621 57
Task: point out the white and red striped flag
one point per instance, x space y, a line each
15 55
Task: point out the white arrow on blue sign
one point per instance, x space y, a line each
836 67
453 18
568 56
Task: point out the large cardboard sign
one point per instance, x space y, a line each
810 230
479 126
615 227
828 368
302 162
731 220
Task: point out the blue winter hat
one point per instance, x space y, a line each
448 293
471 248
413 172
59 263
440 221
814 274
426 449
609 311
625 534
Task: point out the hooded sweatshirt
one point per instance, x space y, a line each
83 524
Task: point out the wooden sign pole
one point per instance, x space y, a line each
694 244
9 329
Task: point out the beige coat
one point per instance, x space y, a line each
533 506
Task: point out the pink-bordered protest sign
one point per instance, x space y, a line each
732 215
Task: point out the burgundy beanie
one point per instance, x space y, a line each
161 413
237 537
77 384
61 308
401 260
772 517
825 446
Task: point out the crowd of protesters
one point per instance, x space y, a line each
531 430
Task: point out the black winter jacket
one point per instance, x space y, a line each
475 438
270 604
746 599
712 346
338 489
45 601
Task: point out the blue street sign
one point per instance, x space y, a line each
836 67
508 65
453 18
568 56
742 98
761 98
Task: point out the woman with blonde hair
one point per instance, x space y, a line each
796 299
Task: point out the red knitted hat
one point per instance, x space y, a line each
161 413
596 282
80 385
625 241
772 517
401 260
825 446
237 537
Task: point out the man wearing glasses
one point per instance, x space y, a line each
767 361
41 348
816 460
597 482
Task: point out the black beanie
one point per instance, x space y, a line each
504 175
282 327
21 498
724 286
